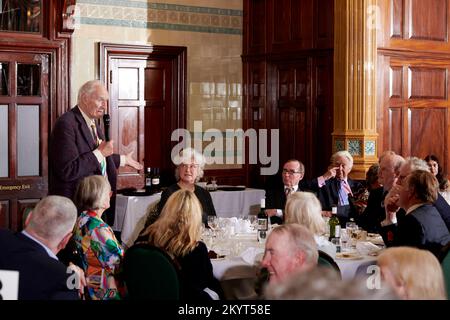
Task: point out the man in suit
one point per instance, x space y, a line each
337 189
292 175
374 213
422 225
78 149
33 252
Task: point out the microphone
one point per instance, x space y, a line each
106 124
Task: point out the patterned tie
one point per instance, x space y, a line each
288 191
97 143
344 191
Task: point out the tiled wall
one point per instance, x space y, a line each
210 29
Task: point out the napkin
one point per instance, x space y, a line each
249 255
367 248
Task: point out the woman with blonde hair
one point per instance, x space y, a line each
177 231
101 253
414 274
304 208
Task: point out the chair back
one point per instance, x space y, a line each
445 263
150 274
325 260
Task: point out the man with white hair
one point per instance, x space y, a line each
393 208
289 248
77 146
337 189
33 252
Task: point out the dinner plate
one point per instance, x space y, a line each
348 256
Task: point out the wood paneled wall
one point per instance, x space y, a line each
288 77
413 85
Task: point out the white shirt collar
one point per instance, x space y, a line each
295 188
49 252
86 118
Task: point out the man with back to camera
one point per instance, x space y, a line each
78 149
33 251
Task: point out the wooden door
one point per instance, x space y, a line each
24 115
147 88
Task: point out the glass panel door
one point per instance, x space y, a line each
21 15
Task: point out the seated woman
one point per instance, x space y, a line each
304 208
101 253
177 231
414 274
436 170
189 170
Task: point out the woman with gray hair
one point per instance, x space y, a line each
101 253
189 170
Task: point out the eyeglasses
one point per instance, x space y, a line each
290 172
190 166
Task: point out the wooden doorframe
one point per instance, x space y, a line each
177 54
177 57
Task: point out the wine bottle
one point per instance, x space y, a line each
334 223
148 179
263 222
155 181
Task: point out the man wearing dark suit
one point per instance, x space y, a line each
78 149
292 175
337 189
33 252
391 202
422 226
370 219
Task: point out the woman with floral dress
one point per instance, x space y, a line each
101 253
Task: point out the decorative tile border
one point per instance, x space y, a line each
339 145
137 14
354 147
369 148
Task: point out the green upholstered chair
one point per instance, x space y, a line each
445 263
150 274
325 260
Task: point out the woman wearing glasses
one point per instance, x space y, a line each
189 171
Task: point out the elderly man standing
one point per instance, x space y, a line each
336 188
422 226
289 248
78 149
33 252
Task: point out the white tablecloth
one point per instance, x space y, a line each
131 210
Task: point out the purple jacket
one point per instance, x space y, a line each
70 156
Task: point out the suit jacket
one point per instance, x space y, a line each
329 196
40 276
70 155
422 228
276 197
374 213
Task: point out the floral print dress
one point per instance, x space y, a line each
101 255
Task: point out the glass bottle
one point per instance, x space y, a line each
155 181
263 222
148 179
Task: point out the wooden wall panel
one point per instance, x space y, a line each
428 132
395 130
296 72
427 83
255 24
413 87
428 20
4 214
395 82
21 206
396 8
